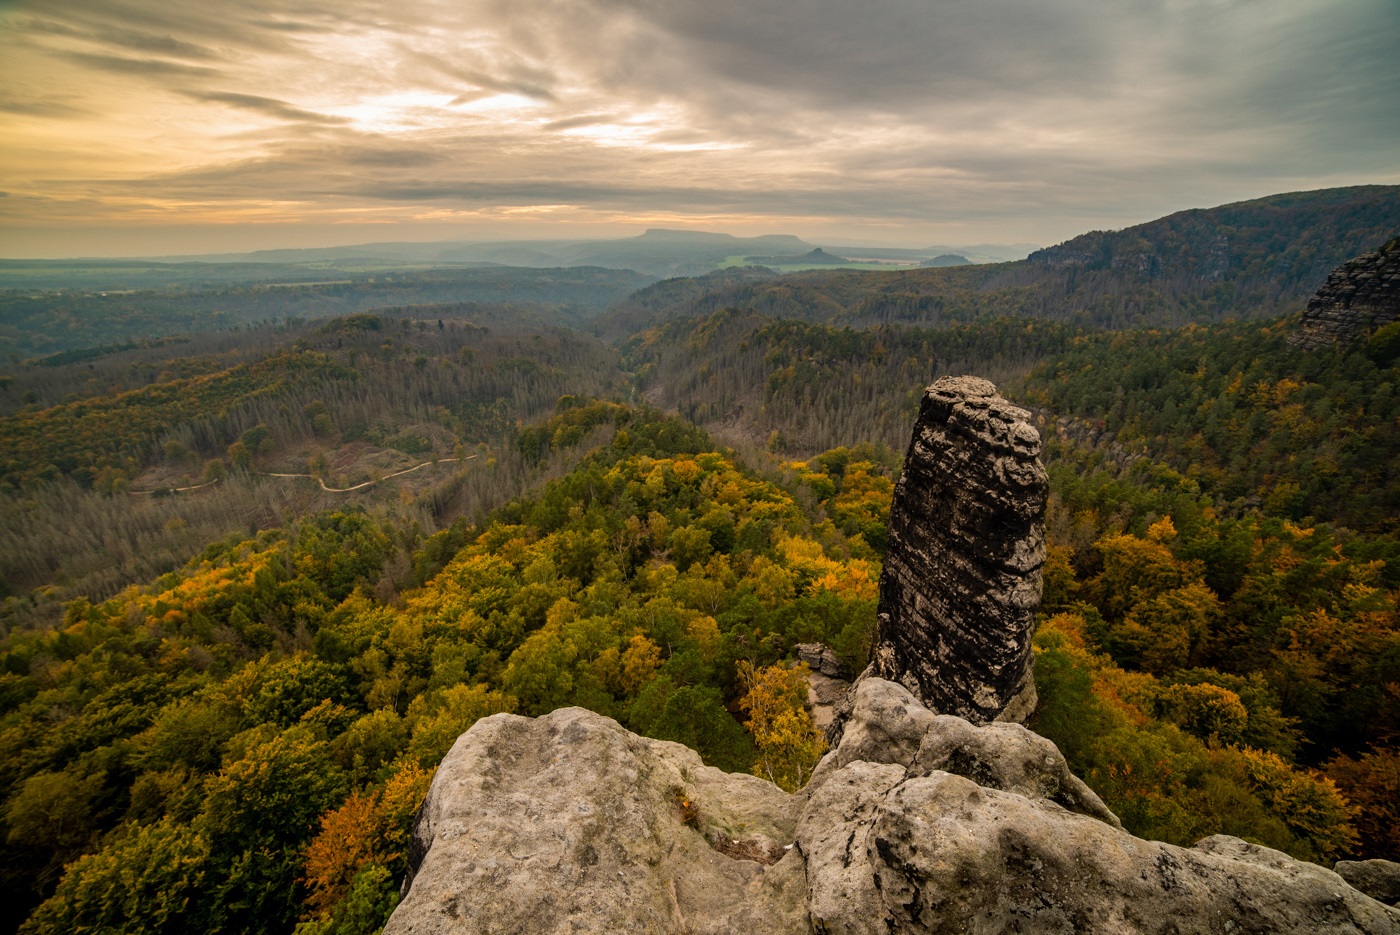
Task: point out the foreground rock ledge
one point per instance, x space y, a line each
914 823
961 580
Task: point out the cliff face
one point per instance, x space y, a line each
1359 296
961 580
914 823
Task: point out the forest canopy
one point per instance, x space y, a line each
258 573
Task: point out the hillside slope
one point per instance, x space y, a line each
1252 259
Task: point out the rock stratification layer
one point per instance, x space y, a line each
914 823
961 581
1359 296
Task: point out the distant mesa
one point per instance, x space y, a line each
817 257
947 259
661 233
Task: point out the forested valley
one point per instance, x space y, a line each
258 580
44 323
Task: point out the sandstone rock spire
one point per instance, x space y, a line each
961 582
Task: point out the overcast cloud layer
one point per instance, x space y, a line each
139 126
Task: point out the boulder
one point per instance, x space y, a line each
1379 879
570 823
822 659
886 724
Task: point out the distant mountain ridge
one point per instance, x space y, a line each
1251 259
1285 239
813 257
661 252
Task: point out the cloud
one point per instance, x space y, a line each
155 67
39 106
1006 119
582 120
265 105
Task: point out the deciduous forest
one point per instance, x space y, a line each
257 580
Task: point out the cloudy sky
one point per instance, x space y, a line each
165 126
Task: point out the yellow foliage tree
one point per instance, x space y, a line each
788 743
639 663
369 828
1307 801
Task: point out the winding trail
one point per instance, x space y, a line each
368 483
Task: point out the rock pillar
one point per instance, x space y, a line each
961 582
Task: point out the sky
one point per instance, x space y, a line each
131 127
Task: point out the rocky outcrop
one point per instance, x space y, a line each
822 659
1359 296
961 580
1379 879
914 823
828 681
569 823
888 725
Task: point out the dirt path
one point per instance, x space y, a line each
368 483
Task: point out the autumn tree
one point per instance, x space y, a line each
789 744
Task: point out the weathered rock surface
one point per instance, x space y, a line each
822 659
940 854
1359 296
827 682
887 724
961 581
568 823
1379 879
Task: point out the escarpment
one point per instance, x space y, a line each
1359 296
913 823
961 581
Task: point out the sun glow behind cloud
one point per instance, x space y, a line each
1021 119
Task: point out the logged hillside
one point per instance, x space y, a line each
801 387
1254 259
120 467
